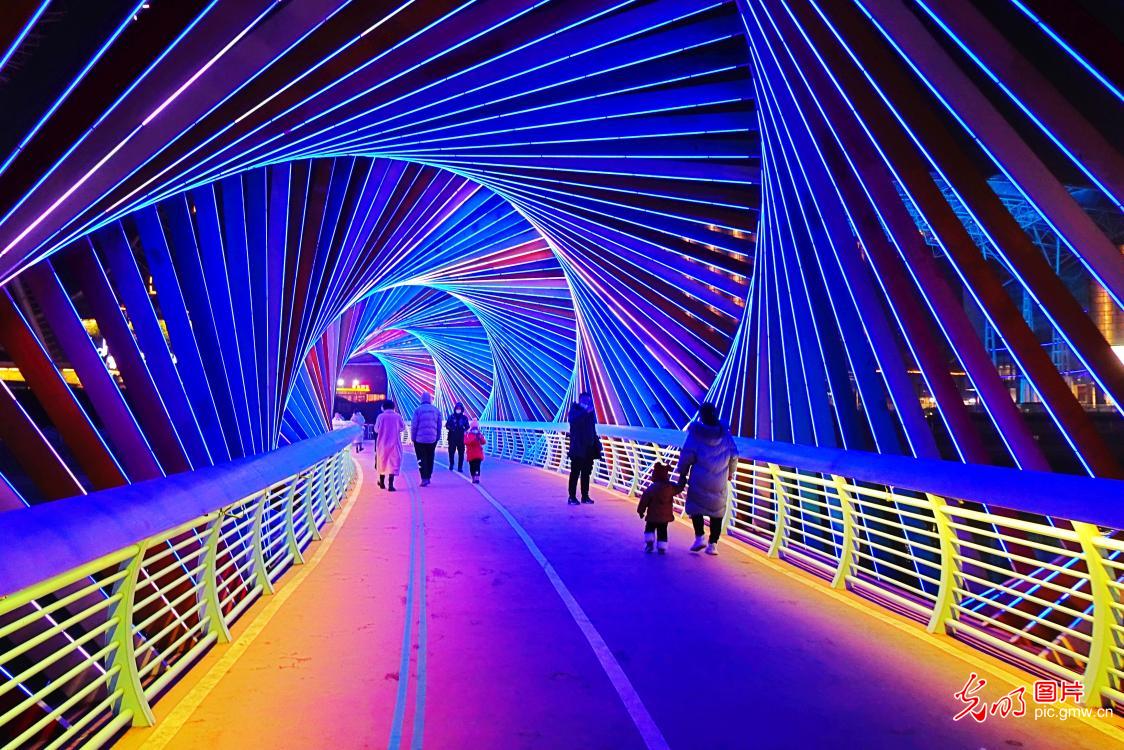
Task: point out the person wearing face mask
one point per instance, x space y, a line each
455 427
585 447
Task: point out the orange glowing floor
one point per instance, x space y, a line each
687 650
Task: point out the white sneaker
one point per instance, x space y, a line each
698 545
661 547
712 549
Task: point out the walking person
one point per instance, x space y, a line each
360 421
425 429
388 444
474 442
585 447
455 427
657 508
707 464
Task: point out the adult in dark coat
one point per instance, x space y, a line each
455 427
585 446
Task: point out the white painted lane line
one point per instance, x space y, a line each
643 720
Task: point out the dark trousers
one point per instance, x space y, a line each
457 449
659 528
715 527
580 468
474 467
425 452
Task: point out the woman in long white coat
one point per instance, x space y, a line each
388 444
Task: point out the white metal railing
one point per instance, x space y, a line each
1028 565
108 598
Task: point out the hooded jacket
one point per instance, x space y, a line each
711 456
455 427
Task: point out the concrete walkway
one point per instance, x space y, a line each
428 619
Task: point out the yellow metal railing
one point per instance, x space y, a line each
1018 564
87 651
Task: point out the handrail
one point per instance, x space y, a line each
1030 567
1076 498
106 599
42 541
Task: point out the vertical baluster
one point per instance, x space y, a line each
291 500
260 573
311 490
1097 676
847 547
323 488
943 609
124 657
216 623
781 519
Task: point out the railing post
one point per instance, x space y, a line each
216 622
260 573
946 589
325 478
1096 676
614 463
847 549
124 656
311 488
290 521
339 481
780 499
636 479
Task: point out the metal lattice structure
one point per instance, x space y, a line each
507 204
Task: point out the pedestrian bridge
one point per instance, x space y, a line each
879 240
317 610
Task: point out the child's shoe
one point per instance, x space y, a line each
712 549
572 501
698 545
661 547
649 541
476 480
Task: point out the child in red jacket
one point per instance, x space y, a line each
657 502
474 443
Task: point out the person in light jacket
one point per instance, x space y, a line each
388 444
707 464
359 420
425 429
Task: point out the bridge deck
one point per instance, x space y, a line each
700 652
